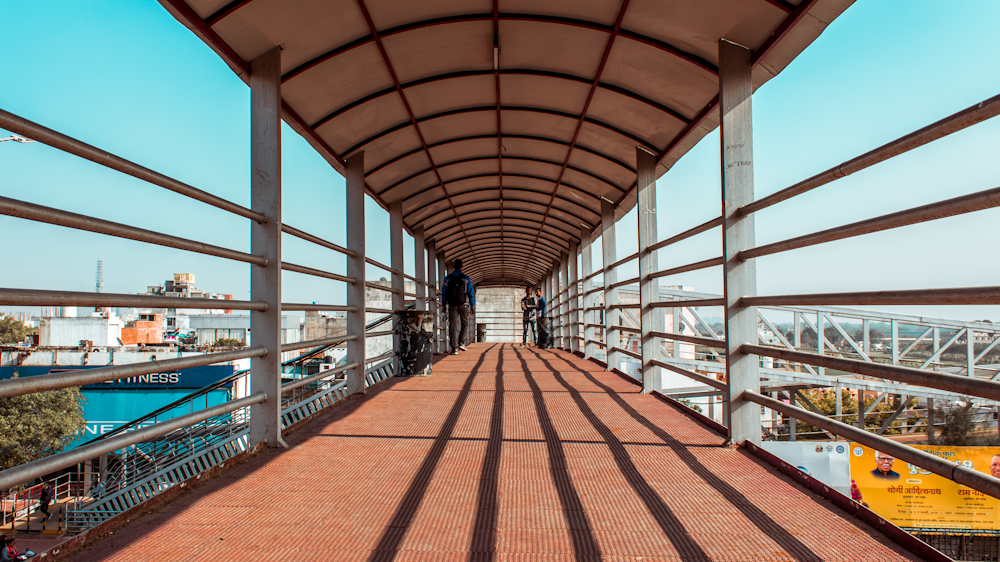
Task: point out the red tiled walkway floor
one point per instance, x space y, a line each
503 454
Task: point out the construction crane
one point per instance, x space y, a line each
16 138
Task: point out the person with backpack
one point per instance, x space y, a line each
459 297
48 494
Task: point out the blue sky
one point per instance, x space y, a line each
126 77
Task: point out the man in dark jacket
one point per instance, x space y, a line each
458 295
528 309
544 334
48 494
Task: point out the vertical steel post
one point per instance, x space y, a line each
649 289
265 240
587 262
820 342
930 421
866 328
564 302
894 326
396 263
791 421
432 283
573 320
442 273
742 370
970 352
354 209
612 336
418 268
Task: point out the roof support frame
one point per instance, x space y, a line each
476 176
533 227
339 50
569 224
574 215
519 137
416 121
406 103
508 72
500 158
537 192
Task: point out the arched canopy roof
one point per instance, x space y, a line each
502 124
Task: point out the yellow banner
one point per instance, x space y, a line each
912 497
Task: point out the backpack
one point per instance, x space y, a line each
456 293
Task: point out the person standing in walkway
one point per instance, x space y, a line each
459 297
528 310
48 494
543 322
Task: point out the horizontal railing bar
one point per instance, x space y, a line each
707 342
958 296
373 285
382 266
317 272
592 275
965 118
36 132
318 307
690 374
316 240
317 377
619 306
987 199
629 329
627 352
703 227
592 291
47 465
687 303
967 386
596 342
948 469
80 377
378 334
593 309
380 358
414 295
32 297
593 325
622 261
316 343
39 213
685 268
623 283
380 310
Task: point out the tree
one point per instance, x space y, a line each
873 335
33 426
957 427
13 330
228 342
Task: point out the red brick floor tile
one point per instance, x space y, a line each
567 463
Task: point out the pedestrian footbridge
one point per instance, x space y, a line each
504 453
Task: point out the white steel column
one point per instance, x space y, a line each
742 370
265 241
587 263
564 302
612 336
396 263
355 222
418 268
432 284
574 305
443 336
649 288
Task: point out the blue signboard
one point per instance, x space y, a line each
194 377
107 410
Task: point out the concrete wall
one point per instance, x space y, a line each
499 309
69 332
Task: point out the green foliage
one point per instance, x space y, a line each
956 427
33 426
228 342
188 339
826 402
13 330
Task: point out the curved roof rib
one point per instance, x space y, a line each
501 125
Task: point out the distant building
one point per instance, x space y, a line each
146 329
100 330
